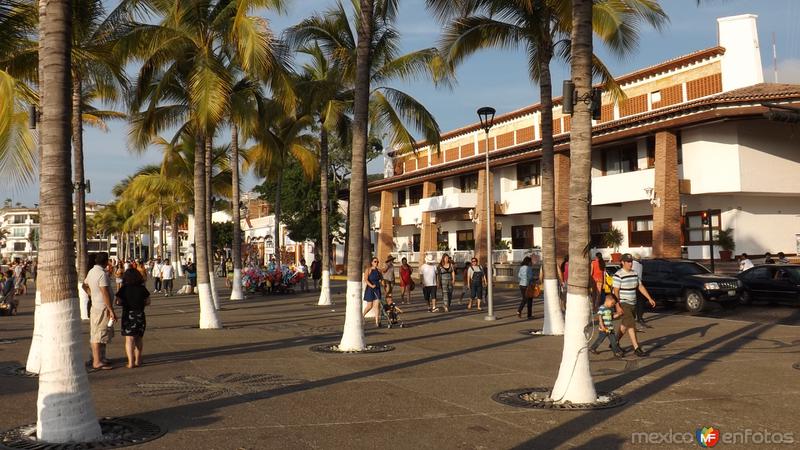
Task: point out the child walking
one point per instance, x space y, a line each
607 312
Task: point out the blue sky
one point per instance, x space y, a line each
495 78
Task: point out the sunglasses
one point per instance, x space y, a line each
374 260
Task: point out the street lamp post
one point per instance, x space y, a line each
486 115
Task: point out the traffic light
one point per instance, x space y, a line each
706 219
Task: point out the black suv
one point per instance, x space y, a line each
680 280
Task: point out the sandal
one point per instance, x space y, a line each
103 367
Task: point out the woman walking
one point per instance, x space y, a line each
133 297
372 293
405 281
526 279
476 277
446 273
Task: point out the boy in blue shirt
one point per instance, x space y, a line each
607 312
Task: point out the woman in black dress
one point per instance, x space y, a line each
133 297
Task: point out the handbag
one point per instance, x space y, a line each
533 291
412 285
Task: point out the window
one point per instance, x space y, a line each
439 189
529 174
19 219
465 240
415 194
522 236
18 232
598 228
443 241
651 152
694 232
640 231
620 159
415 239
19 246
469 183
401 198
655 96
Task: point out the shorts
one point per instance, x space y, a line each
429 293
388 285
476 291
627 315
99 331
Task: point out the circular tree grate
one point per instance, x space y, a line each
796 366
532 332
15 370
538 398
117 432
334 348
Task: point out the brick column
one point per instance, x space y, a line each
480 213
386 233
667 214
428 232
561 175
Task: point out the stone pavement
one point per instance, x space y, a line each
256 385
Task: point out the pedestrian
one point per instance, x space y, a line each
304 280
782 259
167 275
626 284
388 275
316 271
406 282
191 275
8 301
156 273
19 270
598 270
118 271
744 262
525 280
476 279
133 296
142 269
372 291
101 314
446 272
606 313
428 275
768 259
640 300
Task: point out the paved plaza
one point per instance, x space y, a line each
256 384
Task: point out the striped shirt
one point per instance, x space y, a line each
628 283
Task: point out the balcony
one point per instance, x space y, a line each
449 202
622 187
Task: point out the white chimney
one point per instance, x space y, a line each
741 63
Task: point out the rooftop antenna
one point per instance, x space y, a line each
774 58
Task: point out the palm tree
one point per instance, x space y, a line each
543 29
18 62
574 383
65 410
184 82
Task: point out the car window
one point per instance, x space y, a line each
689 268
794 272
650 267
783 275
760 273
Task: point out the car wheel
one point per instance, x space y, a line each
694 301
745 298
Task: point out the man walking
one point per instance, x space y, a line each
101 331
626 285
744 262
167 275
639 269
428 274
156 273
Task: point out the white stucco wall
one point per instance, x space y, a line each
769 155
741 63
711 158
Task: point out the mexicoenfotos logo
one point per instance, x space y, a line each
707 437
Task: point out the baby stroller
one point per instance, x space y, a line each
392 315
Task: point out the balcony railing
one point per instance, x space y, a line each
450 201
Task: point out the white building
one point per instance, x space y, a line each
21 228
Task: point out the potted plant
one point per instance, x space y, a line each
613 238
726 244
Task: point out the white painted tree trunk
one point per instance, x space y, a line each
553 318
213 287
236 289
34 362
65 410
208 314
84 302
353 335
574 383
325 289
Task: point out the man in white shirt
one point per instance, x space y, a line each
97 285
156 273
167 275
639 269
428 274
744 262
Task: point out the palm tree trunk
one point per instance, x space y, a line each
208 314
236 251
209 210
150 233
325 289
175 256
65 410
366 247
553 318
353 333
574 382
278 234
162 233
80 191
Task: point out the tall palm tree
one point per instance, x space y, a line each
574 383
184 81
543 29
65 410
